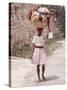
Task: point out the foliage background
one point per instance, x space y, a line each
21 30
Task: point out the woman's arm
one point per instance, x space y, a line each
33 46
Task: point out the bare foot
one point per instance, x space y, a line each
39 79
44 79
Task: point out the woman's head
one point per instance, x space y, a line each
39 31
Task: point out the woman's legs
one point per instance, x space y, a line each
38 71
43 70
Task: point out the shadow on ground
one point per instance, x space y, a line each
53 77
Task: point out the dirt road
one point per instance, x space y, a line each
24 72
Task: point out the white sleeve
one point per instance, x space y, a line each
34 39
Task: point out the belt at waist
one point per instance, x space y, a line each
39 47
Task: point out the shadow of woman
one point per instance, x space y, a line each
49 78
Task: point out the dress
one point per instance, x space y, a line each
39 56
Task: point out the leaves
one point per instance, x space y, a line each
22 30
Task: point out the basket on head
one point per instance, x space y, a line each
39 24
40 17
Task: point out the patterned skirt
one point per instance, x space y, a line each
39 56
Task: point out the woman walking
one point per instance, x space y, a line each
40 19
39 56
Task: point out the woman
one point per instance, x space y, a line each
39 56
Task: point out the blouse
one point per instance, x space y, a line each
38 40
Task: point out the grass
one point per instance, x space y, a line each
24 52
50 46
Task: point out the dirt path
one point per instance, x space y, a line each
24 72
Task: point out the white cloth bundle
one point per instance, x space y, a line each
43 9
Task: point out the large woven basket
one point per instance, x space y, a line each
39 24
35 18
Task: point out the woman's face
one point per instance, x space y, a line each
39 31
